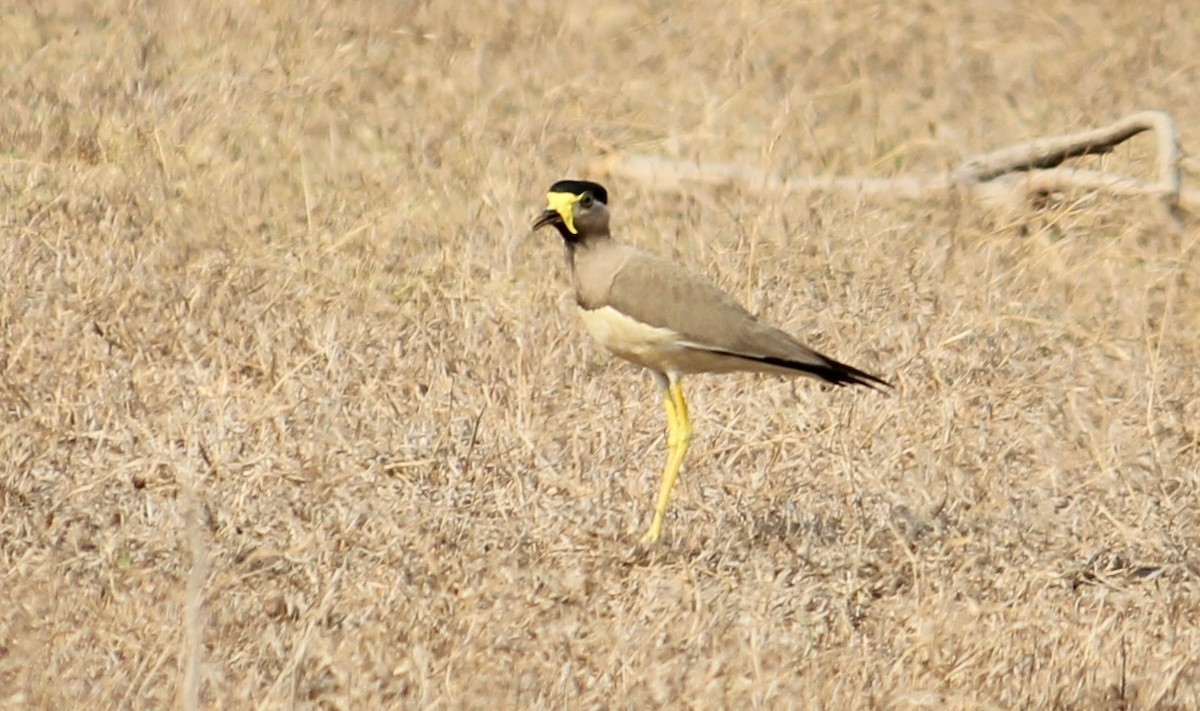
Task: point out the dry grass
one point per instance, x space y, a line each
295 413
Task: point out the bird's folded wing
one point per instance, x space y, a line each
659 293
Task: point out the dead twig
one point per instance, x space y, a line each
1010 174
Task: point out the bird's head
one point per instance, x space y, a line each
577 209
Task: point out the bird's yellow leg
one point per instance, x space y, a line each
679 438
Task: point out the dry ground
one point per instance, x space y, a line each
294 413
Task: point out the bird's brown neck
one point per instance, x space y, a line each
576 242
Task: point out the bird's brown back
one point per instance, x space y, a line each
658 293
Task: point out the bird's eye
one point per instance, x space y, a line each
586 201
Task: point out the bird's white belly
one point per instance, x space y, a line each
649 346
663 349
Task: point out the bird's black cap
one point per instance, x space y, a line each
579 187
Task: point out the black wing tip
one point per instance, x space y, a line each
831 371
853 376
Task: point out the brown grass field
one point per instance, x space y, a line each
296 413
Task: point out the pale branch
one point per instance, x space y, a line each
1051 151
1007 175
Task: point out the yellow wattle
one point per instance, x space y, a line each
564 205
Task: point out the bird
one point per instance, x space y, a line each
673 322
